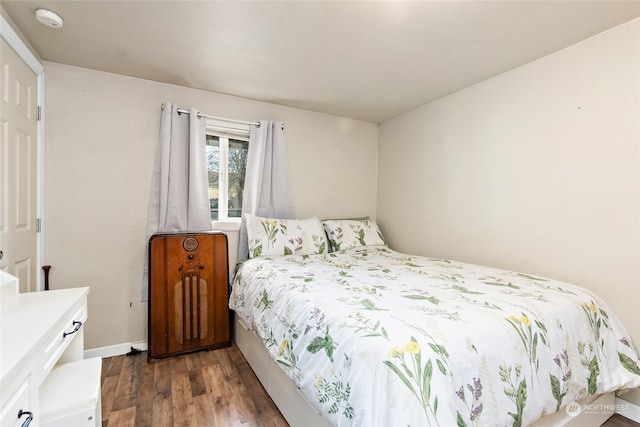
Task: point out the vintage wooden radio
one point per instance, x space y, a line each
188 293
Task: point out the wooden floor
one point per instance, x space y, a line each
619 421
207 388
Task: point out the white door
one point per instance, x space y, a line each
18 168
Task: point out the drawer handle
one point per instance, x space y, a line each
77 325
29 417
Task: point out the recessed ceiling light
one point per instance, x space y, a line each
49 18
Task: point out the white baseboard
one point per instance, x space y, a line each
115 350
627 409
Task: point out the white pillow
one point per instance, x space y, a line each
272 236
346 234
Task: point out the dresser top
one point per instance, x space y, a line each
29 319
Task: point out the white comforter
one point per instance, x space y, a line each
373 337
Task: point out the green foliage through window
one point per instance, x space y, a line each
227 166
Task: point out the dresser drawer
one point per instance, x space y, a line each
17 401
32 326
63 334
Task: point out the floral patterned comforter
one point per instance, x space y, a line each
373 337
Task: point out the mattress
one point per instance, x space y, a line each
371 336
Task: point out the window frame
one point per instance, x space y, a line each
224 131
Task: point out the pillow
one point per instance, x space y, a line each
271 236
346 234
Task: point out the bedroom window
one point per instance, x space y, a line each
227 150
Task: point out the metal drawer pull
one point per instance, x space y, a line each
29 418
77 325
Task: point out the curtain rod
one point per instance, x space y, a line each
200 115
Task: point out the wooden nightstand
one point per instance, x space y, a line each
188 293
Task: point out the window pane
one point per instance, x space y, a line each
213 168
237 168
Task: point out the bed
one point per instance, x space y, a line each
367 336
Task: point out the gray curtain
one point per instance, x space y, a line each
179 197
267 185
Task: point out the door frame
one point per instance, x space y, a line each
18 45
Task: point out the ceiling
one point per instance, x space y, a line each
367 60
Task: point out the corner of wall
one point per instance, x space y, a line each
16 29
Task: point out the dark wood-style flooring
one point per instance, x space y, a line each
203 389
206 388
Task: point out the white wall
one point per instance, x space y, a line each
101 133
536 170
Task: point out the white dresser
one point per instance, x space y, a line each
38 331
